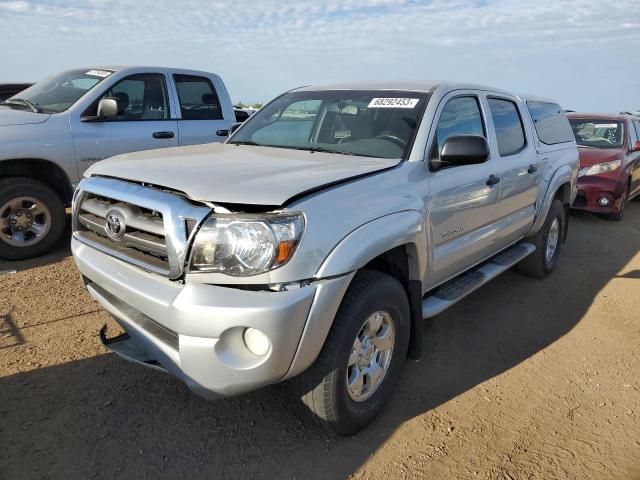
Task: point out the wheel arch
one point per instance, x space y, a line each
41 170
395 245
561 186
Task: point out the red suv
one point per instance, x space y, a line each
609 147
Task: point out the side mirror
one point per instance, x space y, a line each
463 150
234 127
636 146
107 107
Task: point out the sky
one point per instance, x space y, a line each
583 53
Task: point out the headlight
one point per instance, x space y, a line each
600 168
244 245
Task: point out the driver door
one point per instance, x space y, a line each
144 124
465 198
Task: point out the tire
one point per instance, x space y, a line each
619 213
321 390
49 218
537 264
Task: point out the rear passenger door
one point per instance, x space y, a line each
464 201
201 114
519 170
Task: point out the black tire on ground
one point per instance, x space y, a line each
619 213
537 265
321 390
18 186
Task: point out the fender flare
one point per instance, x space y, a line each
376 237
563 175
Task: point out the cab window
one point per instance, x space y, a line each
460 116
198 99
508 126
140 97
550 122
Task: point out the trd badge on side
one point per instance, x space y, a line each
453 231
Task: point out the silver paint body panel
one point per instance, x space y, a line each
355 209
64 140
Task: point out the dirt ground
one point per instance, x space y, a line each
523 379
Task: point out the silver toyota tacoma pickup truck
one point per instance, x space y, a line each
53 131
314 243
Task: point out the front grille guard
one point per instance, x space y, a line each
177 216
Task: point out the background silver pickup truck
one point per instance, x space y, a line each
53 131
315 242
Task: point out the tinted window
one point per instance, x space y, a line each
636 124
198 98
241 115
141 97
460 116
590 132
508 125
551 123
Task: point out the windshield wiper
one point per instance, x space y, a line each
326 150
246 142
22 101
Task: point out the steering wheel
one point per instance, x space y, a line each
393 139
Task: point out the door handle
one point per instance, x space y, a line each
222 133
532 169
493 180
163 134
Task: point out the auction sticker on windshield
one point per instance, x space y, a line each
393 103
99 73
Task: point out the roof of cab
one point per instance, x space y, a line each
427 86
120 68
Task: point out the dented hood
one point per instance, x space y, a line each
238 174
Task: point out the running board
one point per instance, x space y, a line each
456 289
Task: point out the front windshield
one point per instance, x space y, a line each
57 93
594 133
378 124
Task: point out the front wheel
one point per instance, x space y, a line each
548 243
362 358
32 218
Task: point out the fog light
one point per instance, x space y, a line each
256 341
603 201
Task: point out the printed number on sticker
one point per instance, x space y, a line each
99 73
393 103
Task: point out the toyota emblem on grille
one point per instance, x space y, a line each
114 225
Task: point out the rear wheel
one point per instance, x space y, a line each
548 243
362 358
32 218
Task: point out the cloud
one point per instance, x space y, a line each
17 6
289 42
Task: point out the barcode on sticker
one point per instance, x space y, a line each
99 73
393 103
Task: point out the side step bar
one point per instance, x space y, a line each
456 289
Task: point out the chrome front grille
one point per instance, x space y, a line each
142 225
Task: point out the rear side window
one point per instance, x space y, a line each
198 98
636 124
551 123
508 125
460 116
